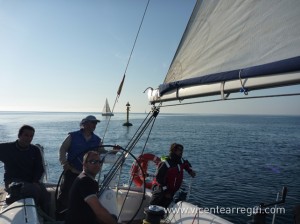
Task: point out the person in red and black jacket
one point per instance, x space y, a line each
169 176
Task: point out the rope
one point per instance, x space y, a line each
197 215
121 85
238 98
147 138
136 36
131 180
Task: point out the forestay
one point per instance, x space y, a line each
231 45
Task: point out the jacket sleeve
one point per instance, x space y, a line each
2 153
39 166
187 166
5 149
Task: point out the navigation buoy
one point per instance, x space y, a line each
127 123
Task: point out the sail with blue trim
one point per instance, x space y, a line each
234 46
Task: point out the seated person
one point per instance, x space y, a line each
84 205
23 164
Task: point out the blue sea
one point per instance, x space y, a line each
240 160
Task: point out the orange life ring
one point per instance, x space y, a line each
137 173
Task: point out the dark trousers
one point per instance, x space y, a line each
37 191
297 214
159 197
63 197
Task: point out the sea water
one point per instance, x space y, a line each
240 160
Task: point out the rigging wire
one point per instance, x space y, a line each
144 188
128 149
129 59
130 146
237 98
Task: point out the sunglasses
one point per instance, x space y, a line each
94 161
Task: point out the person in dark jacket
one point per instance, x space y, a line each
23 164
169 176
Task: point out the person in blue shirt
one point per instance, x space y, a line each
71 155
23 164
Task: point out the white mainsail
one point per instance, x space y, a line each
106 109
231 46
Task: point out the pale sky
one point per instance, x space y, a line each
62 55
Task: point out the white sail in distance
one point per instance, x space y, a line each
106 109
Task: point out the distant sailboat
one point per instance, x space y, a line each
106 109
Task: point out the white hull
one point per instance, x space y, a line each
24 210
192 214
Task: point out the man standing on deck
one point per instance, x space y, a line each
169 176
23 164
71 157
